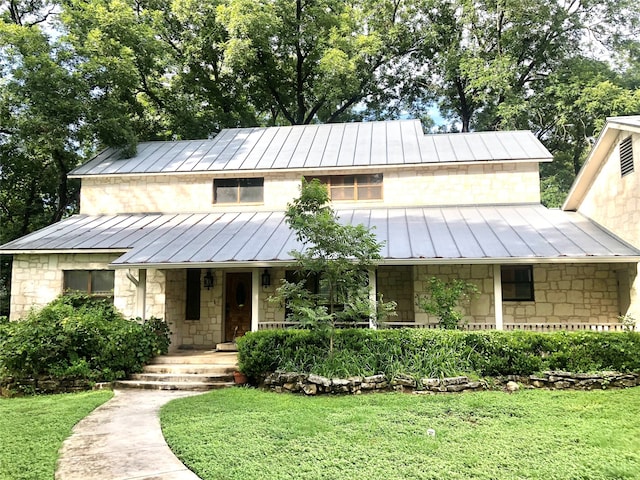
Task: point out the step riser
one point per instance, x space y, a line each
190 369
151 377
170 386
216 359
200 370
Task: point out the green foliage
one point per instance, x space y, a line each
339 256
79 337
436 353
443 300
628 322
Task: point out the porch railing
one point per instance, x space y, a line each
535 327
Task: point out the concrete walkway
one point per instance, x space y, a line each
122 440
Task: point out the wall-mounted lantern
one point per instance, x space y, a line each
209 280
266 278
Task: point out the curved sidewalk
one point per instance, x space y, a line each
122 440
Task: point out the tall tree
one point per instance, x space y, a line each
310 60
492 56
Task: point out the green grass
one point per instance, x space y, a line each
32 430
534 434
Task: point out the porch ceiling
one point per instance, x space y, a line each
467 234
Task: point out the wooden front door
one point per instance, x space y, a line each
237 305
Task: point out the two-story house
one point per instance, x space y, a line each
194 231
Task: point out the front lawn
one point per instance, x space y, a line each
32 430
243 433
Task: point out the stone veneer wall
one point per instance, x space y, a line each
423 185
203 333
564 293
613 201
395 283
463 184
569 293
39 279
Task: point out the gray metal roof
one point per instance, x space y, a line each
414 235
336 145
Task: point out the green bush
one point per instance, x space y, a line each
79 337
436 353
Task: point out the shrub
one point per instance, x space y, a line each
436 353
79 337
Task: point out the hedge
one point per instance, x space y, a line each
436 353
77 337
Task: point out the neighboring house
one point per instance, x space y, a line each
607 191
194 231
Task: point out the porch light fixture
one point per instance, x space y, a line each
209 280
266 278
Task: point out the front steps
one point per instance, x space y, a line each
185 370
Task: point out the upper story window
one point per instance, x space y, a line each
238 190
353 187
517 282
626 156
93 282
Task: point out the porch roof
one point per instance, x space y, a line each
466 234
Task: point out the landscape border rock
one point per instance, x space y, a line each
312 384
11 387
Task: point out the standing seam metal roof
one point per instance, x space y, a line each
336 145
473 233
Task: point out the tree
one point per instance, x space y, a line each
305 61
53 115
443 300
338 255
492 56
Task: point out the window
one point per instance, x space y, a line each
353 187
238 190
626 156
193 294
93 282
517 283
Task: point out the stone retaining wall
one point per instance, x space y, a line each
311 384
10 386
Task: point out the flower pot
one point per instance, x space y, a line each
240 378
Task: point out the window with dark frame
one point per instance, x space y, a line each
238 190
626 157
517 283
192 311
352 187
98 283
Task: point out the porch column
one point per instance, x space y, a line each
373 294
141 294
255 298
497 293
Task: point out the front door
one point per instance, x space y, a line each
237 305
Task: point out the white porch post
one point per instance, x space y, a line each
497 293
141 294
255 298
373 294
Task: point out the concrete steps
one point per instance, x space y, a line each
185 370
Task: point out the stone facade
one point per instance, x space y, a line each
564 294
425 185
392 283
613 201
202 333
39 279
